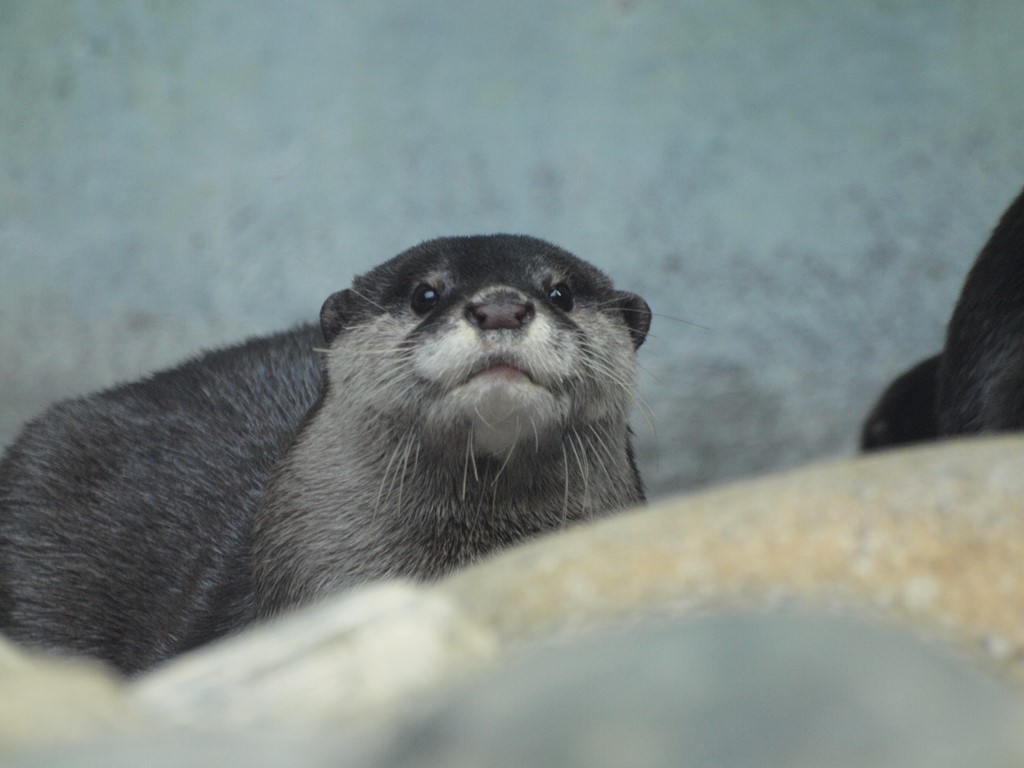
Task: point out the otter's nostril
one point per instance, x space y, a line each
489 317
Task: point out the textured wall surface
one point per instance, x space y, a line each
806 180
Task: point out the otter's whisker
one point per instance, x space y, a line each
609 307
584 471
508 454
476 476
383 481
465 465
405 468
368 300
565 495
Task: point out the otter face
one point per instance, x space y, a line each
502 362
488 342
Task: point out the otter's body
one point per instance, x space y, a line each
125 516
976 383
466 395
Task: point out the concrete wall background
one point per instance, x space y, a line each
809 180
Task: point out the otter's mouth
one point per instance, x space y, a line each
500 370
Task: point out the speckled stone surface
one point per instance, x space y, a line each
931 537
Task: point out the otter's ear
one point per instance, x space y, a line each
908 411
335 312
636 313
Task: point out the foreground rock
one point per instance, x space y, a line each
728 692
928 541
931 538
45 701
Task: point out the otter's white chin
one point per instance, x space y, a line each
506 410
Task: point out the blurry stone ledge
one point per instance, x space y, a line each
892 578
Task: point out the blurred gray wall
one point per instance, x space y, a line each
808 180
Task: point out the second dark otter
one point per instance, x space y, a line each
466 395
976 383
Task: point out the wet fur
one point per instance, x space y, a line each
148 519
976 383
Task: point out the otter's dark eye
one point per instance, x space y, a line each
561 296
424 299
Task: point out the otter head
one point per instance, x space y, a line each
485 343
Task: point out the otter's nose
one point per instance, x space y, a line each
494 315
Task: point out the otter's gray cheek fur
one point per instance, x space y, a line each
461 397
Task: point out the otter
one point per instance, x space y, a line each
466 395
976 383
